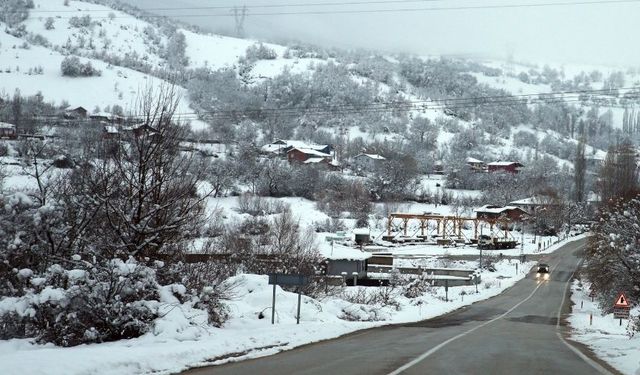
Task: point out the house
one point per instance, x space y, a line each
476 165
110 132
495 213
283 146
512 167
368 161
140 129
8 131
303 154
76 113
533 204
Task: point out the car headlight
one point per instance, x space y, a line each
546 276
538 274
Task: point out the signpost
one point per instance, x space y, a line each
446 290
621 308
285 279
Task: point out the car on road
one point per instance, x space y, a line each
543 271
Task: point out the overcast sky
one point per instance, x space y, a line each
586 34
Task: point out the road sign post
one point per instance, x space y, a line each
621 308
286 279
446 290
273 305
299 298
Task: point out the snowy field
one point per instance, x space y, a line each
606 337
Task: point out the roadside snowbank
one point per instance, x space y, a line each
606 337
180 342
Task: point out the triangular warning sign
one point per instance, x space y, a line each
621 301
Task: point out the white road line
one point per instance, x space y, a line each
577 351
426 354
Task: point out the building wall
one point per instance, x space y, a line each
297 155
513 168
337 266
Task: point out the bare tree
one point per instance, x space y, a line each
149 191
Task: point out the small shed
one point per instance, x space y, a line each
346 261
362 236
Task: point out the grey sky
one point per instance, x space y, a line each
587 34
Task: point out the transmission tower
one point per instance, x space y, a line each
240 14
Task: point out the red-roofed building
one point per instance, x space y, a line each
504 166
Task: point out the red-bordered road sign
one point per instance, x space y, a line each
621 302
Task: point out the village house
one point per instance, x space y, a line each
496 213
8 131
140 129
538 202
283 146
76 113
368 162
303 155
476 165
512 167
110 132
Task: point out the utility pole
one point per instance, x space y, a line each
239 15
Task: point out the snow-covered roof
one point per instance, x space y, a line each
314 160
471 160
372 156
111 129
310 151
6 125
489 209
281 144
503 163
345 253
533 201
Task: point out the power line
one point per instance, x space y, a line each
391 10
384 107
257 6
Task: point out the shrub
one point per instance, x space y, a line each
49 23
71 66
84 21
260 52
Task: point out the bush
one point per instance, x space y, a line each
84 21
89 304
72 67
260 52
49 23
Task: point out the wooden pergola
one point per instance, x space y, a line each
447 226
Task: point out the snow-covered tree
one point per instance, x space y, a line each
613 253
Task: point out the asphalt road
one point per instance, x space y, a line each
516 332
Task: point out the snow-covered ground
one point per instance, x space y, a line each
606 337
181 340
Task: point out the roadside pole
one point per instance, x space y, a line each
299 299
446 290
273 306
